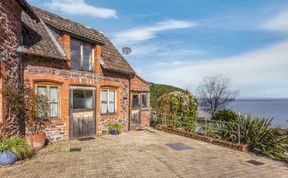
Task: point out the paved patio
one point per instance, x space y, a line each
143 154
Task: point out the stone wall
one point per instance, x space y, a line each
57 72
10 28
56 132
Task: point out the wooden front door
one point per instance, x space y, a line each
135 112
82 112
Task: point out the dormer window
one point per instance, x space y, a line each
81 55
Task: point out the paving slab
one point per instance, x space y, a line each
143 153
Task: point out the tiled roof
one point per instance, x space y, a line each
113 60
38 40
27 8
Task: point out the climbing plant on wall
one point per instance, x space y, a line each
178 109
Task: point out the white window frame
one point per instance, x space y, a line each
108 99
48 86
81 54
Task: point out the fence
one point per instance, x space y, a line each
202 126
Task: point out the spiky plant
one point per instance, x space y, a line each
258 132
17 145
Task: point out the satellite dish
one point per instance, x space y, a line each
126 50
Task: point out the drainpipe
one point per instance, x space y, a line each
129 105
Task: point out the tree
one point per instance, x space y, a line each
215 93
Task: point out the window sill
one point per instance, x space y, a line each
108 114
79 70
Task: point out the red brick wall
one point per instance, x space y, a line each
138 84
10 32
141 87
58 72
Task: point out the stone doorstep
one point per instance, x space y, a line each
239 147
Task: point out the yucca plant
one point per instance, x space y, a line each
258 132
17 145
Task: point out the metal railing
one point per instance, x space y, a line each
202 125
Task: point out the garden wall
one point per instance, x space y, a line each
239 147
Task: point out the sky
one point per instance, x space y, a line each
179 42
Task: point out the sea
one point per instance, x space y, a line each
267 108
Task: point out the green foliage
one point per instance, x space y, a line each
36 112
255 131
157 90
225 115
17 145
25 107
114 126
178 109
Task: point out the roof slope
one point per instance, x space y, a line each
38 40
27 8
113 60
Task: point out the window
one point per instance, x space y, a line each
108 101
82 99
144 100
52 93
81 55
135 101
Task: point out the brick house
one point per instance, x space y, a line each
87 81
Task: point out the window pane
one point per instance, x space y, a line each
87 57
53 94
75 55
104 101
136 117
53 109
144 100
104 107
41 90
82 99
135 101
104 95
111 95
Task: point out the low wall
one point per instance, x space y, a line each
239 147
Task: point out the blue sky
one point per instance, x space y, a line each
180 42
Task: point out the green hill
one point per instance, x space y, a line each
158 90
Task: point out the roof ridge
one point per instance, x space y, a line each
58 16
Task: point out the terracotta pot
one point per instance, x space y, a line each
36 141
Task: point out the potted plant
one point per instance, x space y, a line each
36 118
13 148
114 128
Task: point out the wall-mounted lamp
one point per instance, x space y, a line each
4 55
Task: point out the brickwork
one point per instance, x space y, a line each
48 70
10 28
137 84
35 70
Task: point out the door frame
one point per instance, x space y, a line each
135 126
74 87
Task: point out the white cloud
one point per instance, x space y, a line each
145 33
278 23
260 73
80 7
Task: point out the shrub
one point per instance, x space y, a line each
257 132
114 126
225 115
178 109
17 145
36 111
